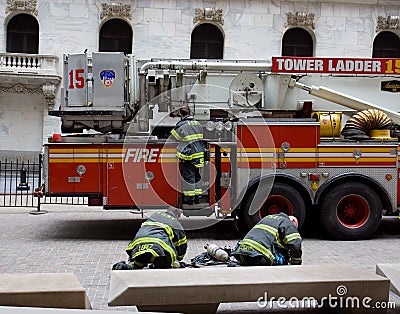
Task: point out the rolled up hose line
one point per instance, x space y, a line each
359 125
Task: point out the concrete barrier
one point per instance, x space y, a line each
32 310
52 290
201 290
392 272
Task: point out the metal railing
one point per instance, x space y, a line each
19 177
17 182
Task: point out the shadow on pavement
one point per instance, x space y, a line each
113 229
389 227
124 229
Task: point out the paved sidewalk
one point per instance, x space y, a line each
87 241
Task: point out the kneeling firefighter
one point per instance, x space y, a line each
274 240
160 241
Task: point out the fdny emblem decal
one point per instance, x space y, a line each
107 77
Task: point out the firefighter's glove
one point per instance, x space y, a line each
279 259
176 264
295 261
121 266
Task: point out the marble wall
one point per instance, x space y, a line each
252 29
21 124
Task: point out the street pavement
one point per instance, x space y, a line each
87 241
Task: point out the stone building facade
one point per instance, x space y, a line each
251 29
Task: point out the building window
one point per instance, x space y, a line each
23 34
297 42
116 36
207 42
386 45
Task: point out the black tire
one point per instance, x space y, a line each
282 198
351 211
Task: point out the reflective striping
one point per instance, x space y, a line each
329 155
113 150
278 159
103 150
74 150
302 155
160 242
351 149
176 135
167 228
190 157
245 155
258 247
363 154
181 241
151 251
193 137
362 159
241 155
61 155
102 160
69 156
256 149
269 229
313 155
72 160
291 237
113 156
74 155
169 160
117 160
167 155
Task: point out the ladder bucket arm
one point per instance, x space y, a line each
344 99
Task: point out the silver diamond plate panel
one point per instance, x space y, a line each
244 176
378 174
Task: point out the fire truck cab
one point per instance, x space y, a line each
272 144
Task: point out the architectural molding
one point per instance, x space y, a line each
20 89
46 89
116 9
391 22
208 15
29 6
300 19
49 92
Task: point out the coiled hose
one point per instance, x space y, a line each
359 125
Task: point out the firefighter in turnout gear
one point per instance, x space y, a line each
274 240
190 152
160 242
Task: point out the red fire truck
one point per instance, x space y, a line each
273 144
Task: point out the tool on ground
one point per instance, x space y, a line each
216 252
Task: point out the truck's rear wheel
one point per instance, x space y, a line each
351 211
282 198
